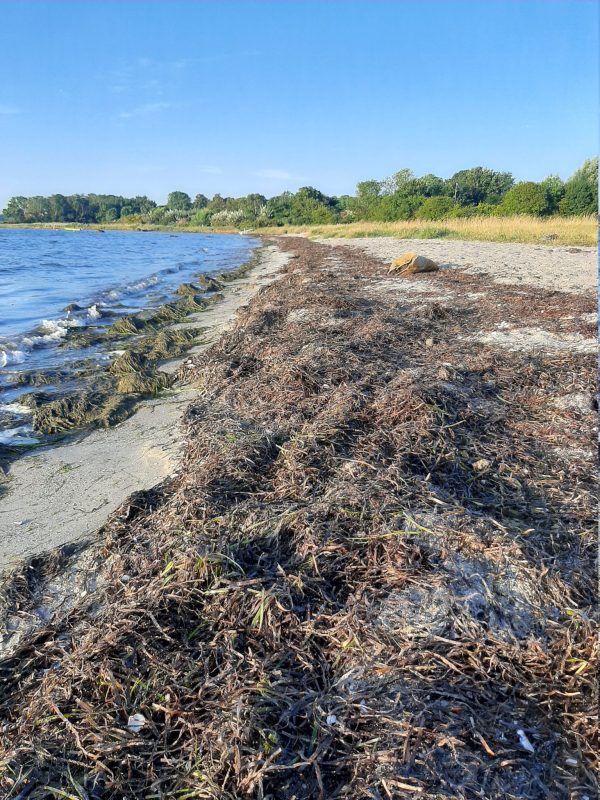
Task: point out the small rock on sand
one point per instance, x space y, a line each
411 263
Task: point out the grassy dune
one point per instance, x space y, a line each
530 230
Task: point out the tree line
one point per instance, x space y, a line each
471 192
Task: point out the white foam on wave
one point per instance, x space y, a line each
53 326
51 330
94 312
16 408
143 284
18 436
10 356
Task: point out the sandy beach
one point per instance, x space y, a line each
565 269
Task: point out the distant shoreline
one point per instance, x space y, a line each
573 231
93 226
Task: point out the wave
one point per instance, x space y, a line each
9 356
20 435
131 288
16 408
51 331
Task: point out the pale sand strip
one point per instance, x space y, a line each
566 269
64 494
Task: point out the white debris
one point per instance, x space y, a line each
136 722
331 719
524 741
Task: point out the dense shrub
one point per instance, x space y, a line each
436 208
227 219
526 198
581 197
581 190
482 210
201 218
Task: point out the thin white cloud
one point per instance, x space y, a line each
9 110
274 174
154 75
209 169
144 110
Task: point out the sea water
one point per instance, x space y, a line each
54 280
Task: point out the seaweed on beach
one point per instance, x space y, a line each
371 577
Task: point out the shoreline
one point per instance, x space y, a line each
77 484
122 365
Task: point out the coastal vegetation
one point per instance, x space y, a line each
576 231
470 194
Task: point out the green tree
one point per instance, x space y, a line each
142 204
200 201
60 209
253 206
36 209
368 190
217 203
15 210
110 214
436 208
478 185
555 190
526 198
581 190
82 211
398 182
430 185
309 206
179 201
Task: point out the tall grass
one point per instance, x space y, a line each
531 230
570 231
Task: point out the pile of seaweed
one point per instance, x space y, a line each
373 576
91 395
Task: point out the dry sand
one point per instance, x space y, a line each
566 269
63 494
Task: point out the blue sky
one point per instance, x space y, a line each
148 96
